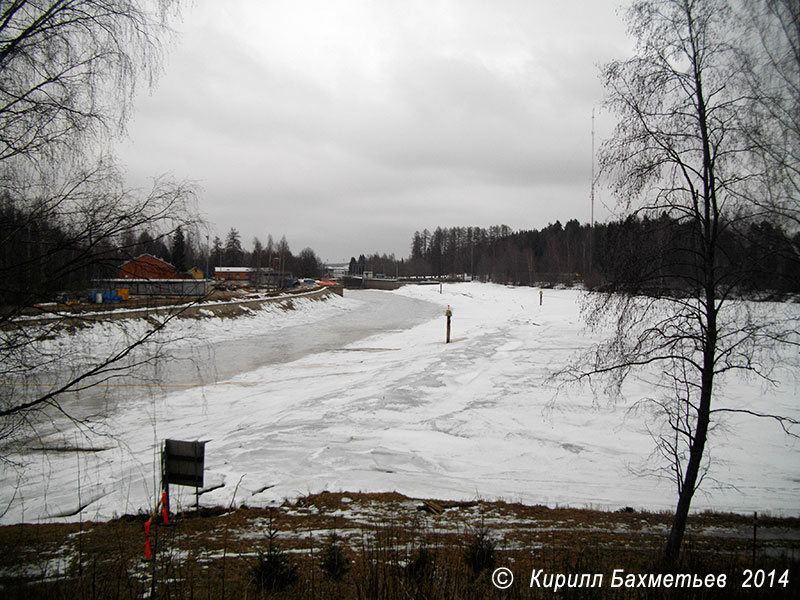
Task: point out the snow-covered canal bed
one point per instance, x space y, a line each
401 410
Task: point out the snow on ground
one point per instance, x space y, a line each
404 411
94 341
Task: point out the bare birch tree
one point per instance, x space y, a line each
68 75
682 148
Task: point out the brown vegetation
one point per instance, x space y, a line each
348 545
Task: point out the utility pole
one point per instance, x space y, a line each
591 196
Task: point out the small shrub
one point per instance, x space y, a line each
334 561
274 571
479 554
421 567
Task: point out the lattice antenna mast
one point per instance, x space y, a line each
592 193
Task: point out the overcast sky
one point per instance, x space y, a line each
346 125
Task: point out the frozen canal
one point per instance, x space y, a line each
361 393
375 313
237 346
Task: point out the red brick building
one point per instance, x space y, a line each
147 266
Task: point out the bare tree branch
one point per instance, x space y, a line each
686 152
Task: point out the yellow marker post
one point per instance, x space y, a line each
448 313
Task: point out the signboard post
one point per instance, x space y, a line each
182 463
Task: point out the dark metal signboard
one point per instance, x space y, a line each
183 463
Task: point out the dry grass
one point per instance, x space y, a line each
395 548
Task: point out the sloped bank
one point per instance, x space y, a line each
238 307
195 310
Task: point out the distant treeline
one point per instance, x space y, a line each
40 256
635 254
277 255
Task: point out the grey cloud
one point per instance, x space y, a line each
425 134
